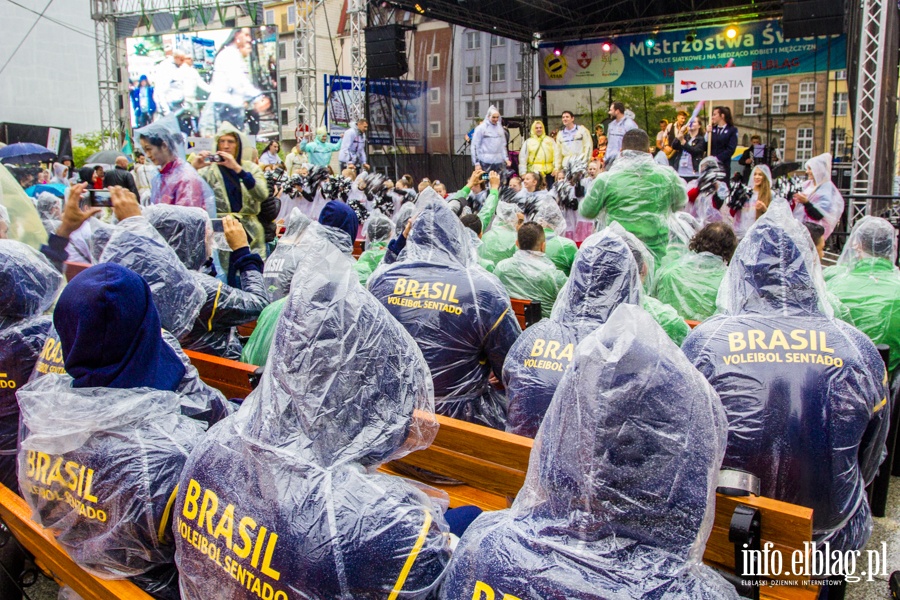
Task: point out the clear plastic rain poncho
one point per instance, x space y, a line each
188 232
711 192
99 467
867 282
620 494
50 210
345 390
604 275
531 275
499 241
682 228
805 394
825 204
286 257
690 284
561 250
135 244
458 313
639 194
30 285
24 221
178 182
379 231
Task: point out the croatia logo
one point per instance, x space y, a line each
688 86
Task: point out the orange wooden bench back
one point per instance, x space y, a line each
71 269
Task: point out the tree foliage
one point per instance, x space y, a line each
86 144
648 107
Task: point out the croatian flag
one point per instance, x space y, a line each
688 86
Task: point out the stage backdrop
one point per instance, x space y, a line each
396 111
629 61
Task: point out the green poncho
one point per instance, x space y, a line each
256 351
668 318
530 275
690 284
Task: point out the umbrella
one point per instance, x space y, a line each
24 153
106 157
57 189
785 169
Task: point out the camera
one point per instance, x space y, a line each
99 198
213 158
485 176
217 226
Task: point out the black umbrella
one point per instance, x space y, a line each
24 153
106 157
785 169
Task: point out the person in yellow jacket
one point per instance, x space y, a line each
540 153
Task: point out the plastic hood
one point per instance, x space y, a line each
166 130
603 276
245 149
29 282
185 229
872 237
438 236
294 226
821 168
631 444
344 382
549 215
775 270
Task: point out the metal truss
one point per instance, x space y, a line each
103 14
872 53
305 61
528 59
130 8
357 17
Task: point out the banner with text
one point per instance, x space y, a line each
629 61
396 110
733 83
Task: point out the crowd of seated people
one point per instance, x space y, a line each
143 471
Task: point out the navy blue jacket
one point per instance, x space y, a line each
619 496
805 394
603 276
458 313
724 144
292 477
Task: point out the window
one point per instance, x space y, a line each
497 41
500 104
804 143
780 98
520 74
838 142
284 117
840 75
473 74
751 106
434 95
520 107
270 17
473 40
472 111
840 104
434 62
808 96
434 129
282 84
778 135
669 90
498 73
292 15
282 51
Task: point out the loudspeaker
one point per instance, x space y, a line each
386 51
805 18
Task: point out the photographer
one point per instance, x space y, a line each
240 187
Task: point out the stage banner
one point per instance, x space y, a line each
396 110
629 61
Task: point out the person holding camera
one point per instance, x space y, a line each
238 183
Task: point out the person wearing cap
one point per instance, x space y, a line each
867 282
319 149
805 394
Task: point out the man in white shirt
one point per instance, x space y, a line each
616 129
574 140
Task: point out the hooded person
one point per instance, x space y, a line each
319 149
489 143
458 313
619 498
638 194
345 390
30 285
50 210
187 231
499 242
339 217
604 275
379 231
805 394
560 249
690 283
108 432
60 174
177 182
23 223
867 282
280 267
708 193
682 229
529 274
539 153
820 201
238 183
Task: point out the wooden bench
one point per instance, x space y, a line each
71 269
528 312
234 379
358 247
54 561
492 464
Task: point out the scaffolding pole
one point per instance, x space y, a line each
305 61
528 57
357 17
103 14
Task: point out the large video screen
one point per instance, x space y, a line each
205 78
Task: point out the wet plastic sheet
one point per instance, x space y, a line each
690 284
531 275
24 221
